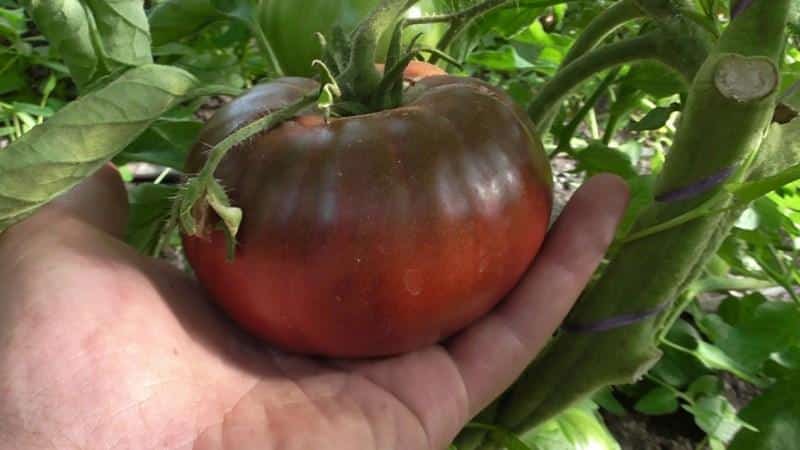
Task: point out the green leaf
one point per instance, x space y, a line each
705 386
779 153
579 427
715 358
172 20
716 416
124 32
12 74
771 327
30 108
214 67
501 436
149 212
166 143
506 22
94 37
655 80
67 26
505 58
736 311
598 158
83 136
655 119
12 22
785 361
677 368
605 398
776 416
658 401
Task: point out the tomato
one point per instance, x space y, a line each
290 27
377 234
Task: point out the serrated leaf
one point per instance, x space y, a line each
83 136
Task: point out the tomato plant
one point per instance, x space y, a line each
349 222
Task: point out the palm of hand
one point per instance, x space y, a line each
102 348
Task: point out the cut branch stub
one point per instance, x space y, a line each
746 79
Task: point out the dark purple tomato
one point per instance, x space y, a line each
377 234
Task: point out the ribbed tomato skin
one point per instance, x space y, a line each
378 234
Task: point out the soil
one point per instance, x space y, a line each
565 182
636 431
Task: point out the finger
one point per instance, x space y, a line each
492 353
100 201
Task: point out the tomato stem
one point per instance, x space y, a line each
598 30
675 44
584 67
603 26
265 123
266 47
565 138
727 90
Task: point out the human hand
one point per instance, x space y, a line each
102 348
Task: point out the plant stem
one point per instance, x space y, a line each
674 44
700 20
777 276
598 60
458 16
598 29
716 131
716 284
602 26
670 388
566 136
263 124
266 47
460 20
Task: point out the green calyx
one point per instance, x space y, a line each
350 60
